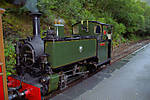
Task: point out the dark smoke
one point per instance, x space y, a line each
31 5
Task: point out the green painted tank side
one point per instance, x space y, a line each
62 53
54 82
103 51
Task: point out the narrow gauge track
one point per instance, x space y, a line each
115 58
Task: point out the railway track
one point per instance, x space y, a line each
124 50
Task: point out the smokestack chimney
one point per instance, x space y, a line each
36 24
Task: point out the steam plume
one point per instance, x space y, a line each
31 5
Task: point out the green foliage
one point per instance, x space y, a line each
127 16
10 57
70 10
16 25
87 15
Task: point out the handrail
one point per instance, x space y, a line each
2 57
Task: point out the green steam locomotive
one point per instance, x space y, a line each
52 62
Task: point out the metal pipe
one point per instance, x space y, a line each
36 24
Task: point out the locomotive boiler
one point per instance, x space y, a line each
47 64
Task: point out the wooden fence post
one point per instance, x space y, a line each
2 57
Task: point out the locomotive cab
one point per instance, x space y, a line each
101 32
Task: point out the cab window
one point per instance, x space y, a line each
97 29
76 29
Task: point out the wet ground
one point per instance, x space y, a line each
127 79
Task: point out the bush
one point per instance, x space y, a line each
10 57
